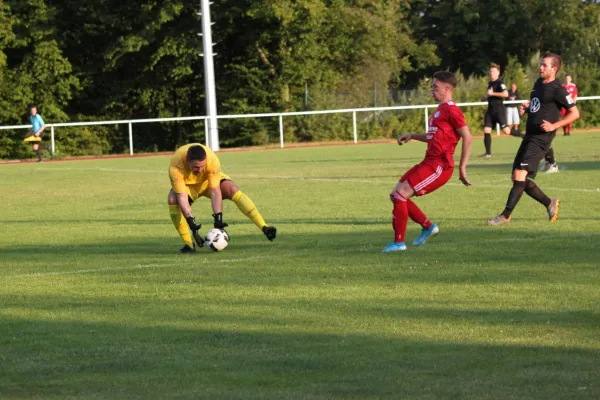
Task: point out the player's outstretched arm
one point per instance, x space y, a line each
216 199
467 139
405 138
184 204
570 117
38 133
186 210
412 136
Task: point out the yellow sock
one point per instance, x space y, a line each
181 225
246 205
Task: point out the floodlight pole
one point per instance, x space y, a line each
212 138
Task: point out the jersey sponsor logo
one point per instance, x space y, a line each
437 114
534 106
570 99
431 131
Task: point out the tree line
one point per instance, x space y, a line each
109 59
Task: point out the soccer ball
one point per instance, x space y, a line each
217 239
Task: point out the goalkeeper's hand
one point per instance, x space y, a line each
195 228
219 224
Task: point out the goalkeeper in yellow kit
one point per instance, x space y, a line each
195 171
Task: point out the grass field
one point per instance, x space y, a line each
94 304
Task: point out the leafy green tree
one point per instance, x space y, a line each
470 34
33 67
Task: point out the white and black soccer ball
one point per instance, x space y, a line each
217 239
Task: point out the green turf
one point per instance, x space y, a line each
94 304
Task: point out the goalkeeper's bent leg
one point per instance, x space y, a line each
246 206
181 224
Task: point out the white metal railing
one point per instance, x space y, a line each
424 107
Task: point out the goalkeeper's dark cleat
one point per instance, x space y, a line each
270 232
187 249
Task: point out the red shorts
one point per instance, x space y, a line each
425 178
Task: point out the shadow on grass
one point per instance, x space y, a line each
289 239
56 360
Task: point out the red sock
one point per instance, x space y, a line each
400 215
417 215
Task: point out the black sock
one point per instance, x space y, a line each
550 157
513 197
487 140
39 154
536 193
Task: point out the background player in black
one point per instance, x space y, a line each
496 112
512 111
547 98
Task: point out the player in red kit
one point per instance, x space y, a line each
446 126
572 89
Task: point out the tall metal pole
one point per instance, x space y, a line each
212 139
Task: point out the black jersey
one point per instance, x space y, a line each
545 103
495 102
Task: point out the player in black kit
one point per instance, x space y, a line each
547 98
496 112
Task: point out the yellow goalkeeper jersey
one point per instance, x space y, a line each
182 178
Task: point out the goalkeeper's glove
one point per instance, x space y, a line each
219 224
195 228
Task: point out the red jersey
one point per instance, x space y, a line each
442 135
572 89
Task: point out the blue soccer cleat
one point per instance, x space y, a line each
425 234
394 246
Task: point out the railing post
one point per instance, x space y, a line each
426 119
498 129
281 130
206 131
52 140
130 139
354 126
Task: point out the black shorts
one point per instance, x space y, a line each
532 150
495 116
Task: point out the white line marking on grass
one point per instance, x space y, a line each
104 170
521 239
476 185
500 186
87 271
301 178
361 249
144 266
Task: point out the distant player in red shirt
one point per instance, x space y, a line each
446 126
572 89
